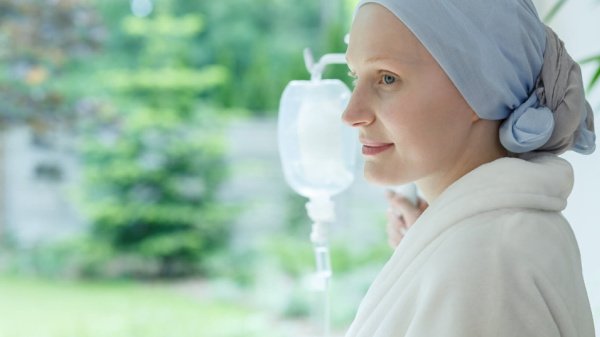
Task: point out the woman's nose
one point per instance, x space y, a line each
357 112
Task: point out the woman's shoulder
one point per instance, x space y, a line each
529 239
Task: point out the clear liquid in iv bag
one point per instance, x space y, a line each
318 151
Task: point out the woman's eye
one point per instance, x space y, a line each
388 79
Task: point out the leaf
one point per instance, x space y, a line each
591 59
554 10
594 79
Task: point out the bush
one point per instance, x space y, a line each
150 186
153 166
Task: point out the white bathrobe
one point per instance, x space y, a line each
492 256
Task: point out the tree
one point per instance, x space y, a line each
40 43
261 42
153 167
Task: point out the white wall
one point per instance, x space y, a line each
578 25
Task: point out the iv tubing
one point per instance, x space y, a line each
316 69
321 211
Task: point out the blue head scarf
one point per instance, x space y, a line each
508 66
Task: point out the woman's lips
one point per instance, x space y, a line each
371 150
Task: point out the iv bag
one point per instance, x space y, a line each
318 151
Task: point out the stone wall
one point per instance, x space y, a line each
40 176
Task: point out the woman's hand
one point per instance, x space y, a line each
401 215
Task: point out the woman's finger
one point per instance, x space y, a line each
395 228
402 214
396 222
401 202
394 236
403 206
422 205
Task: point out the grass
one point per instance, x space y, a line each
31 308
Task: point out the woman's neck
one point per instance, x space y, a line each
481 152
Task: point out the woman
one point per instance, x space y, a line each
473 100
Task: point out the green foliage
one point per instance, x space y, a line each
39 44
296 257
70 259
594 59
163 25
233 264
554 10
167 79
153 166
151 185
298 306
122 309
261 44
596 77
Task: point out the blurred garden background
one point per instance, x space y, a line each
140 186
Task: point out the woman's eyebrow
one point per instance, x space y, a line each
405 59
380 58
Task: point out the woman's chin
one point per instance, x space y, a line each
383 178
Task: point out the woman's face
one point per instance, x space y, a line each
412 120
